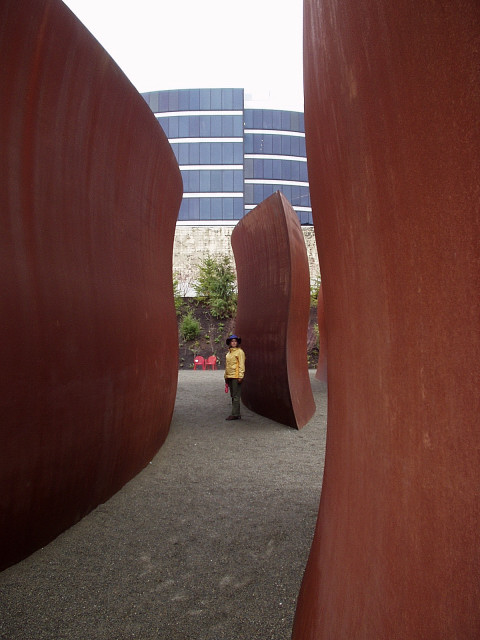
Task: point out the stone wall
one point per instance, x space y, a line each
192 243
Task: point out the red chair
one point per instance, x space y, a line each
200 361
211 361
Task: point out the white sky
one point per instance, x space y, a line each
190 44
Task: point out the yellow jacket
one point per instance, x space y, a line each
235 363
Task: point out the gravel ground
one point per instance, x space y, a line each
208 542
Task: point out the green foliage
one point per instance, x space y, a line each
189 327
216 286
314 288
195 348
177 298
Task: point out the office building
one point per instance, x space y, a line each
232 156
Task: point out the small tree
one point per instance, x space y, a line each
314 289
216 286
189 327
177 296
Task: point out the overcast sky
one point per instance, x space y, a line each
180 44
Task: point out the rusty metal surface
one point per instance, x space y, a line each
273 312
321 373
89 195
391 110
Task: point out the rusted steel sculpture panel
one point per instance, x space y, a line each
273 311
321 373
391 108
89 196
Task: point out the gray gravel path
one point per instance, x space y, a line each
208 542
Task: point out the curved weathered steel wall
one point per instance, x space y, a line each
391 109
89 195
273 311
321 373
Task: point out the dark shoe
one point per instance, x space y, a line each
232 418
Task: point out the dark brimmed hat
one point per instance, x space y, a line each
233 337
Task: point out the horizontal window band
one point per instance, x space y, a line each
181 114
232 194
189 140
249 207
293 183
264 156
211 167
274 132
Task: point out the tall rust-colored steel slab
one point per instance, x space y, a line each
89 195
393 143
273 311
321 373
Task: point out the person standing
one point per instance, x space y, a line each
234 373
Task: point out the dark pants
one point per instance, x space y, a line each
235 391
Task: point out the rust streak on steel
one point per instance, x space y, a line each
273 311
392 104
89 195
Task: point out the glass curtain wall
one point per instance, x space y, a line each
205 130
232 158
275 159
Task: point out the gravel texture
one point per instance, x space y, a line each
208 542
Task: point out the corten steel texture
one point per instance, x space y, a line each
89 195
321 373
273 311
392 111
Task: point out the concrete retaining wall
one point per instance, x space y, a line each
193 243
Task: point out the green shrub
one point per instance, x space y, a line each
195 348
314 288
189 327
216 286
